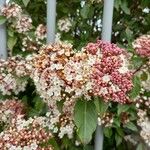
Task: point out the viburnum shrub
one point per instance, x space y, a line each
53 96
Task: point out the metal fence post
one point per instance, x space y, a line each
51 20
106 36
3 40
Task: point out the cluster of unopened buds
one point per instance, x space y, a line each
106 120
16 18
12 73
144 122
142 45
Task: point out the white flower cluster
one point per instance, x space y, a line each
62 124
144 123
40 32
12 73
64 24
25 135
23 24
16 18
11 10
10 109
29 44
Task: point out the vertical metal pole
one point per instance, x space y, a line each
107 20
106 36
51 20
3 42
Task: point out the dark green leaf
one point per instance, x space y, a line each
137 87
108 132
85 117
131 126
85 10
124 7
25 2
122 108
118 139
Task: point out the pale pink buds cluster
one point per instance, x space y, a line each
11 10
142 45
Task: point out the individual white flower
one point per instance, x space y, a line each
34 146
124 68
103 91
115 88
106 78
57 37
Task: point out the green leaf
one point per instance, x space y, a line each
118 139
101 106
124 7
11 42
116 122
122 108
85 11
129 34
120 132
11 33
137 61
2 20
117 4
25 2
137 87
53 142
85 118
131 126
108 132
